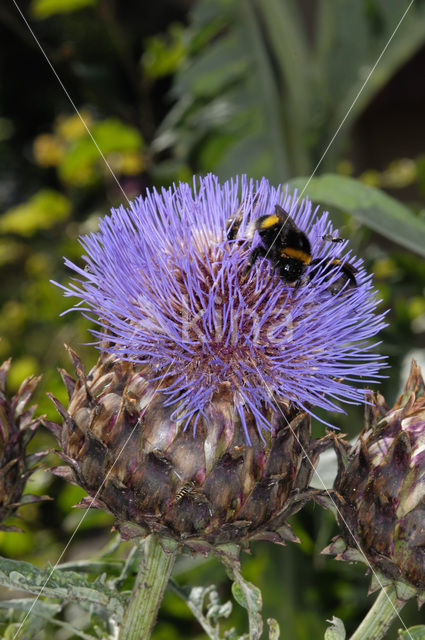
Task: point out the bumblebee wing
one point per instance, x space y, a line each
294 242
285 220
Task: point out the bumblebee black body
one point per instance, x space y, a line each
284 244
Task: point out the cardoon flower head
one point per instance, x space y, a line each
207 368
168 288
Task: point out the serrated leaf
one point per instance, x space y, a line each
68 586
40 614
23 604
110 567
336 631
195 599
372 207
414 633
197 595
28 629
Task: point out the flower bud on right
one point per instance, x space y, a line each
380 491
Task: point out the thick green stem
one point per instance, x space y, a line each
384 610
151 581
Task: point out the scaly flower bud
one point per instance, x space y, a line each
380 490
17 427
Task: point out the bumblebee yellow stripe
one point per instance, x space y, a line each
270 221
298 254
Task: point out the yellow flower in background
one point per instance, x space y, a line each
71 127
48 150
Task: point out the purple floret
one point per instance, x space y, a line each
167 288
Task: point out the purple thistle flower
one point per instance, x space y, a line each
168 288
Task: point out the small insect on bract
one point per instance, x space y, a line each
188 491
328 237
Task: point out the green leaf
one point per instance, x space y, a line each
41 613
10 251
16 610
165 54
247 595
45 8
372 207
358 38
296 89
286 37
45 209
336 631
92 567
67 586
200 598
216 68
114 135
414 633
81 162
274 629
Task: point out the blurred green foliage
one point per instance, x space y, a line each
165 54
43 210
267 84
167 89
46 8
74 149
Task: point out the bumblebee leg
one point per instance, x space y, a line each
258 252
297 284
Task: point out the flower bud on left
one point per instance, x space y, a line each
17 427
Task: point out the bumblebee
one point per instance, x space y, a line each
233 223
347 276
289 251
284 245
